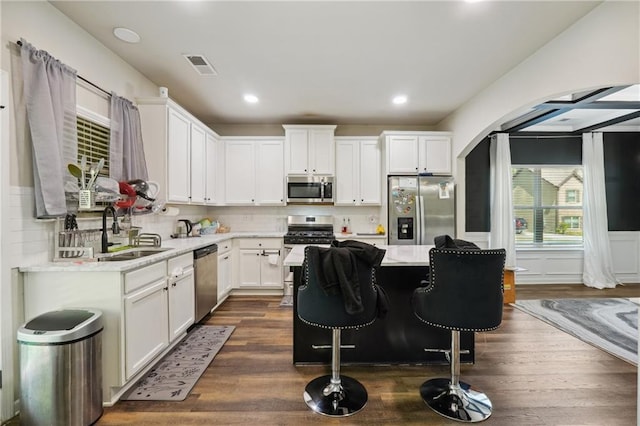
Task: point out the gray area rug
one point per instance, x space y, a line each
608 324
177 373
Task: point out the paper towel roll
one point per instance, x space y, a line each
170 211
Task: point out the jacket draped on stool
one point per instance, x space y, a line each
338 272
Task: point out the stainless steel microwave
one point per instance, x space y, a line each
310 190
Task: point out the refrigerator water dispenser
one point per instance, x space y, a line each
405 228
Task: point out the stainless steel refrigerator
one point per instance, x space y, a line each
420 208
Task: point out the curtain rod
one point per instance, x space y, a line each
537 136
543 136
19 43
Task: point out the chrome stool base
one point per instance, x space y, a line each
457 402
335 400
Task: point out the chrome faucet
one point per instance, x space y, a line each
115 227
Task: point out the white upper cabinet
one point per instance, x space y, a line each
402 154
198 164
176 149
370 172
240 173
435 154
254 171
418 152
309 149
358 171
270 172
212 193
178 175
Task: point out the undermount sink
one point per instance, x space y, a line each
132 254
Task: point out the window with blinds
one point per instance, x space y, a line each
547 203
93 142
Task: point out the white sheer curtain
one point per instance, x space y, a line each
50 99
502 226
126 152
598 264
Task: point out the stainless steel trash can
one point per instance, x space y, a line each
61 368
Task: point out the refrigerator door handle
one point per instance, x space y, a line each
419 219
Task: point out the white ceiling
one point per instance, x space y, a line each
326 61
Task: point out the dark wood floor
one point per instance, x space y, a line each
533 373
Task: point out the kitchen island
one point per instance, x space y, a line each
398 338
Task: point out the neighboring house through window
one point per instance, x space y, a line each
547 205
573 196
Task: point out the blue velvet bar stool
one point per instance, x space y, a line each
335 395
464 293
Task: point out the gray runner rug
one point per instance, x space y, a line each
608 324
177 373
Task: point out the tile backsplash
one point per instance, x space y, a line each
32 240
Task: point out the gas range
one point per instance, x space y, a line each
309 230
309 237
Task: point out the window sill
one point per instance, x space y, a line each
551 248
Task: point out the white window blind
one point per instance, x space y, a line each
547 204
93 142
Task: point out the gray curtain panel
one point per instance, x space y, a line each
50 98
126 151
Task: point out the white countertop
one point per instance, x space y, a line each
394 256
341 236
178 246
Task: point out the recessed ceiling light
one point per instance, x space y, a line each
125 34
400 99
252 99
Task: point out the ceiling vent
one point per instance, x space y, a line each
201 65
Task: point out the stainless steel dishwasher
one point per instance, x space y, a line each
206 279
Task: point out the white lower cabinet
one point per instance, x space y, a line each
143 313
225 267
260 263
181 294
146 324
